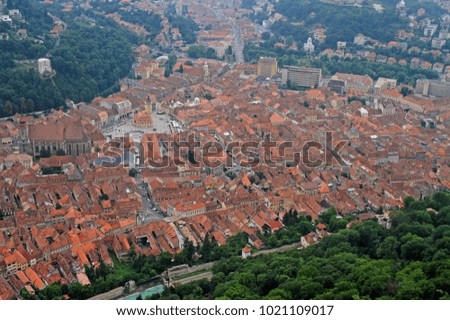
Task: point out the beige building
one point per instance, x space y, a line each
301 76
384 84
146 69
24 159
142 120
185 210
267 67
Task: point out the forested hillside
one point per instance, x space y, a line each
88 60
342 23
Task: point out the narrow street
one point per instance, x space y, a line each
57 20
151 211
238 45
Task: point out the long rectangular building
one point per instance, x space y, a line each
433 88
301 76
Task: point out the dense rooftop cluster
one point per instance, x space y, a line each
94 181
61 210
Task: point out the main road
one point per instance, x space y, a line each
238 45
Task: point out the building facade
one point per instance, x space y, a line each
434 88
301 76
44 66
267 67
49 138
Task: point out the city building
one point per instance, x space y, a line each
246 252
341 44
141 52
353 84
23 159
44 66
22 33
146 69
438 43
184 210
301 76
267 67
142 120
220 47
429 30
52 137
206 73
6 19
434 88
401 5
15 14
336 85
384 84
359 40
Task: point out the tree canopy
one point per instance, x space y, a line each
88 62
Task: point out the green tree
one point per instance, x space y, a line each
8 108
388 248
412 247
132 172
60 152
405 91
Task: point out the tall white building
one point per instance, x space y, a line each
401 5
308 46
401 8
44 66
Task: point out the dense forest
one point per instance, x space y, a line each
411 260
150 21
22 89
342 23
37 21
88 61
